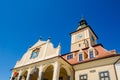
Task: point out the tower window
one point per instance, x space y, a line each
91 54
80 57
70 56
79 45
93 38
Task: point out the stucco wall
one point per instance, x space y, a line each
75 41
46 50
93 73
117 66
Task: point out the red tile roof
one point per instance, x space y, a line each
100 52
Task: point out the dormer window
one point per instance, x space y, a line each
80 57
70 56
91 54
35 53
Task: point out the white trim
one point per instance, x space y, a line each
40 72
45 50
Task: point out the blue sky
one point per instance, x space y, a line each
22 22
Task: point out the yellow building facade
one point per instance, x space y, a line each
87 60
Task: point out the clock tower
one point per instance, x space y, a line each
83 36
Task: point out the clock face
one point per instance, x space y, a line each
34 53
79 36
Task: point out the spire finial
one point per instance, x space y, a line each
82 23
83 18
49 39
40 37
59 44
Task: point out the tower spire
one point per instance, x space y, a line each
83 18
82 23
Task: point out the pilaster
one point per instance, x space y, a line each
19 75
40 72
56 70
45 50
28 74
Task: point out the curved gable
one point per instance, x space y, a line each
39 51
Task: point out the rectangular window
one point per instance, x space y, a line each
91 54
104 75
80 57
83 77
69 56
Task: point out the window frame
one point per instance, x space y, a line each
92 54
79 57
68 58
104 76
83 75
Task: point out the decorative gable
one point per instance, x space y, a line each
39 51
